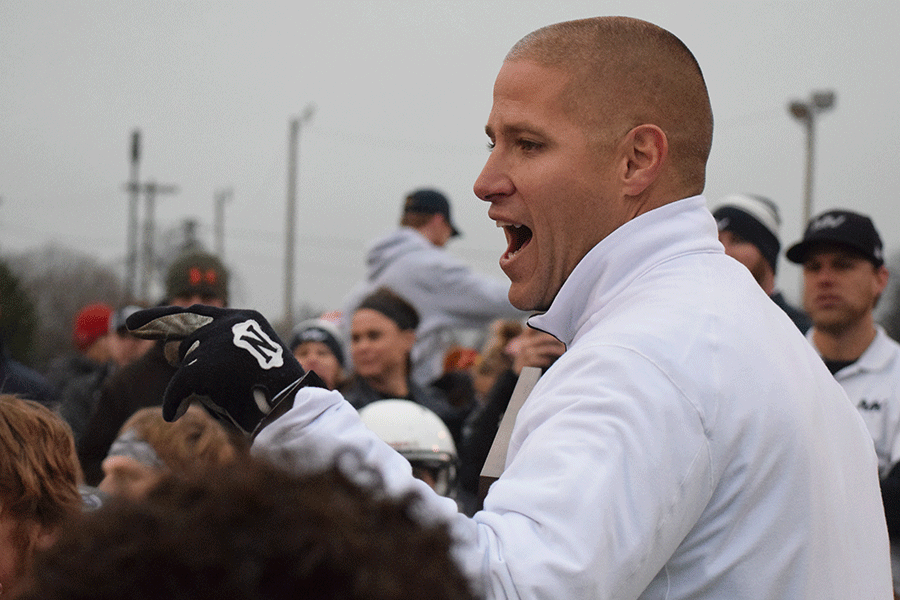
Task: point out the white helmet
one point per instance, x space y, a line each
419 435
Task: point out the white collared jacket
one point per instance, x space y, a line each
688 444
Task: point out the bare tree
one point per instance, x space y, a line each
61 281
18 319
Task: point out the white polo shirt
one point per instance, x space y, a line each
873 385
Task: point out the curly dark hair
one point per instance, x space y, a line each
253 532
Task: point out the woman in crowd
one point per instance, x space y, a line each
39 478
382 333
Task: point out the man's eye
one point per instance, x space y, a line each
528 145
491 146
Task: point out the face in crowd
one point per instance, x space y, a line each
378 346
190 300
148 448
841 286
318 357
125 348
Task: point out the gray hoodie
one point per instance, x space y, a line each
448 294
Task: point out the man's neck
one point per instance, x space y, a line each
846 344
433 233
764 275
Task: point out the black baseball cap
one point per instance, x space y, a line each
430 202
844 228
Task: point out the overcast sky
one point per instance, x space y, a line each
402 90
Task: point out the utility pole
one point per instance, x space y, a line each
151 189
134 189
189 235
291 218
806 113
222 196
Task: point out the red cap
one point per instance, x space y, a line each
91 323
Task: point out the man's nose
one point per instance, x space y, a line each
492 182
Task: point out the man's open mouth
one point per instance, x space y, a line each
517 237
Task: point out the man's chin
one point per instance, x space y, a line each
526 300
831 324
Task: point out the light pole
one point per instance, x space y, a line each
151 190
134 188
290 217
806 113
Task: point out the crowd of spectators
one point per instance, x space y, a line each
445 433
101 400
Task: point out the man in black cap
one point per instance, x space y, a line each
749 229
448 295
844 276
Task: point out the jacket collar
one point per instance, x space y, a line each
682 227
875 358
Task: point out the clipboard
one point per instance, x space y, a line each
495 463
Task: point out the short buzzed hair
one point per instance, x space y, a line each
627 72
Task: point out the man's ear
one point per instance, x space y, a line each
435 218
645 150
881 278
408 338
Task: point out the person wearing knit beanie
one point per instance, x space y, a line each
752 220
316 346
749 229
197 277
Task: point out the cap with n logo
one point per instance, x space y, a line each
844 228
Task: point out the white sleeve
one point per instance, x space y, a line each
602 481
321 427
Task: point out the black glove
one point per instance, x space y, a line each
229 359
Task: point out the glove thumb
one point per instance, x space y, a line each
179 395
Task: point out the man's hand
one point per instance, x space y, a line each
230 360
